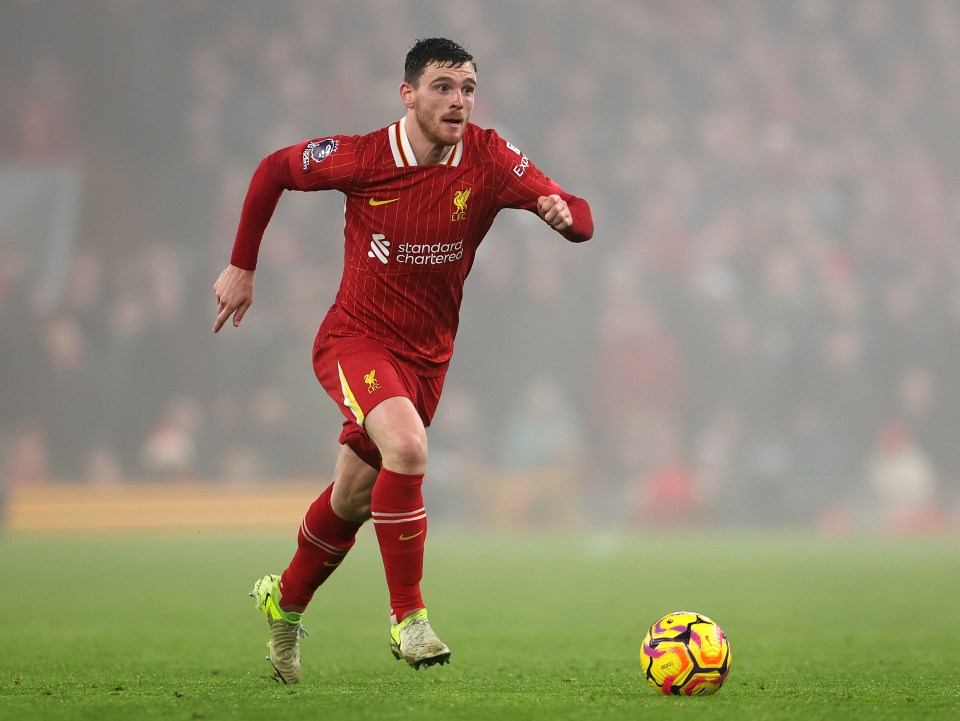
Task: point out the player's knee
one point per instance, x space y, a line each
405 453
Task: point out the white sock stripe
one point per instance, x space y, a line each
316 541
399 520
324 547
377 514
320 544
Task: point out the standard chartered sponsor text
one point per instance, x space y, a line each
429 254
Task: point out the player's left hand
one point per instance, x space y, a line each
554 211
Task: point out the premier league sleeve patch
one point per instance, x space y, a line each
318 150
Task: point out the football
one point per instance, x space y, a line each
685 654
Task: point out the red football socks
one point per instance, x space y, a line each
400 521
323 541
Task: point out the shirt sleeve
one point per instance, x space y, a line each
320 164
523 183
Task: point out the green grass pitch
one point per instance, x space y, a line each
549 628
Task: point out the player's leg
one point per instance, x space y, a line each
400 521
322 543
387 407
353 485
399 515
328 530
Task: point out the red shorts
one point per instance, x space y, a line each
358 374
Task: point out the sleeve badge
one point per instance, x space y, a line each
318 150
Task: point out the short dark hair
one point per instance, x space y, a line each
434 50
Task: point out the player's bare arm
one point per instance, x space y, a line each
234 291
555 212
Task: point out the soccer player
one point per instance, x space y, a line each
421 194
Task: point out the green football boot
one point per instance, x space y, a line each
414 641
285 630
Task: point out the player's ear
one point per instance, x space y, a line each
406 94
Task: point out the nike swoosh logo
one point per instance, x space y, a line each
374 202
327 563
407 538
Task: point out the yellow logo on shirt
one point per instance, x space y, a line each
460 203
372 383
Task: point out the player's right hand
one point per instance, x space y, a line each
234 291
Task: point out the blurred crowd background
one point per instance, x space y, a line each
764 330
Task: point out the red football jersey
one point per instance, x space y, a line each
411 230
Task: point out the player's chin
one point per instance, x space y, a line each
453 129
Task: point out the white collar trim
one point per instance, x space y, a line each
403 152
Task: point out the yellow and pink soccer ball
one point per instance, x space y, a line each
685 654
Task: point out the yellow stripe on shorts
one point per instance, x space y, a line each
349 400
